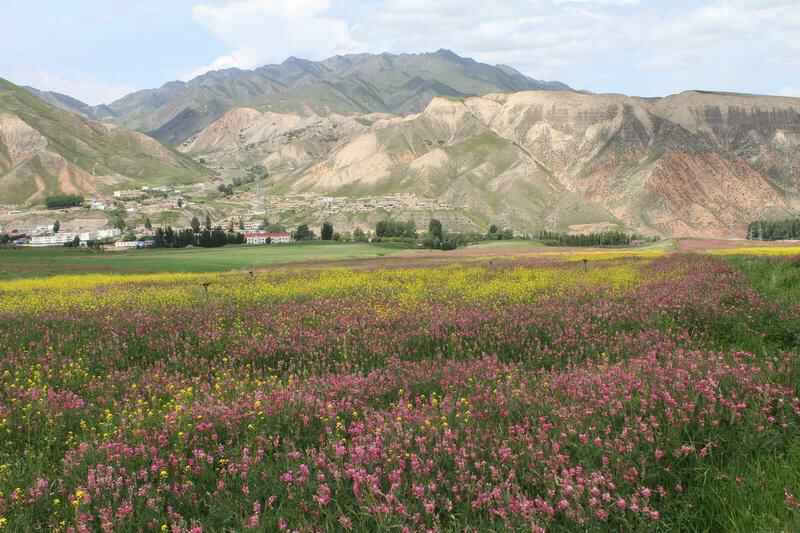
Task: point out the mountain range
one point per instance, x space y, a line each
505 147
356 83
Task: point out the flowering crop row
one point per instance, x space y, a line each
475 398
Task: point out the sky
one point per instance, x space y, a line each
100 50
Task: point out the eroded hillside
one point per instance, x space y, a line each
690 164
45 150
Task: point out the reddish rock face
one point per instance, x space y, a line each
693 164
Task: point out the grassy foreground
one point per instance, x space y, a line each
640 394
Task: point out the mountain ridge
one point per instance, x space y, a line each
354 83
46 150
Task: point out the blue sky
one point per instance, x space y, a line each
98 50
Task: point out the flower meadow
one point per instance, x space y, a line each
516 396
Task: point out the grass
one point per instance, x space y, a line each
39 262
775 278
32 262
748 494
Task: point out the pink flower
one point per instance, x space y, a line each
345 522
323 496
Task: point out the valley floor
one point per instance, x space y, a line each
27 262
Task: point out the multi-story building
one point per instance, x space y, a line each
267 237
100 235
58 239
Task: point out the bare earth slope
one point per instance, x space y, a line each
693 164
46 150
359 83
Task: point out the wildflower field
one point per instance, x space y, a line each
649 393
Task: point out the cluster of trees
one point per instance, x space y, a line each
439 239
117 218
779 230
74 243
303 233
253 173
226 190
327 232
436 238
62 201
603 238
206 238
395 228
496 234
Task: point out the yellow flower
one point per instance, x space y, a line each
79 495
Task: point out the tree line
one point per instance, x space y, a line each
205 238
602 238
436 238
777 230
63 201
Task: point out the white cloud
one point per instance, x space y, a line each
624 45
541 37
265 31
764 30
77 85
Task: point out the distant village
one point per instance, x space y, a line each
127 203
113 228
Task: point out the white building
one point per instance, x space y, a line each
108 233
253 226
100 235
59 239
131 194
266 237
133 244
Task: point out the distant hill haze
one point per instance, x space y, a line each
360 83
46 150
692 164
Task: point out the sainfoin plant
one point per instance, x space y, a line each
515 397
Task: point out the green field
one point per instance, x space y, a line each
32 262
38 262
